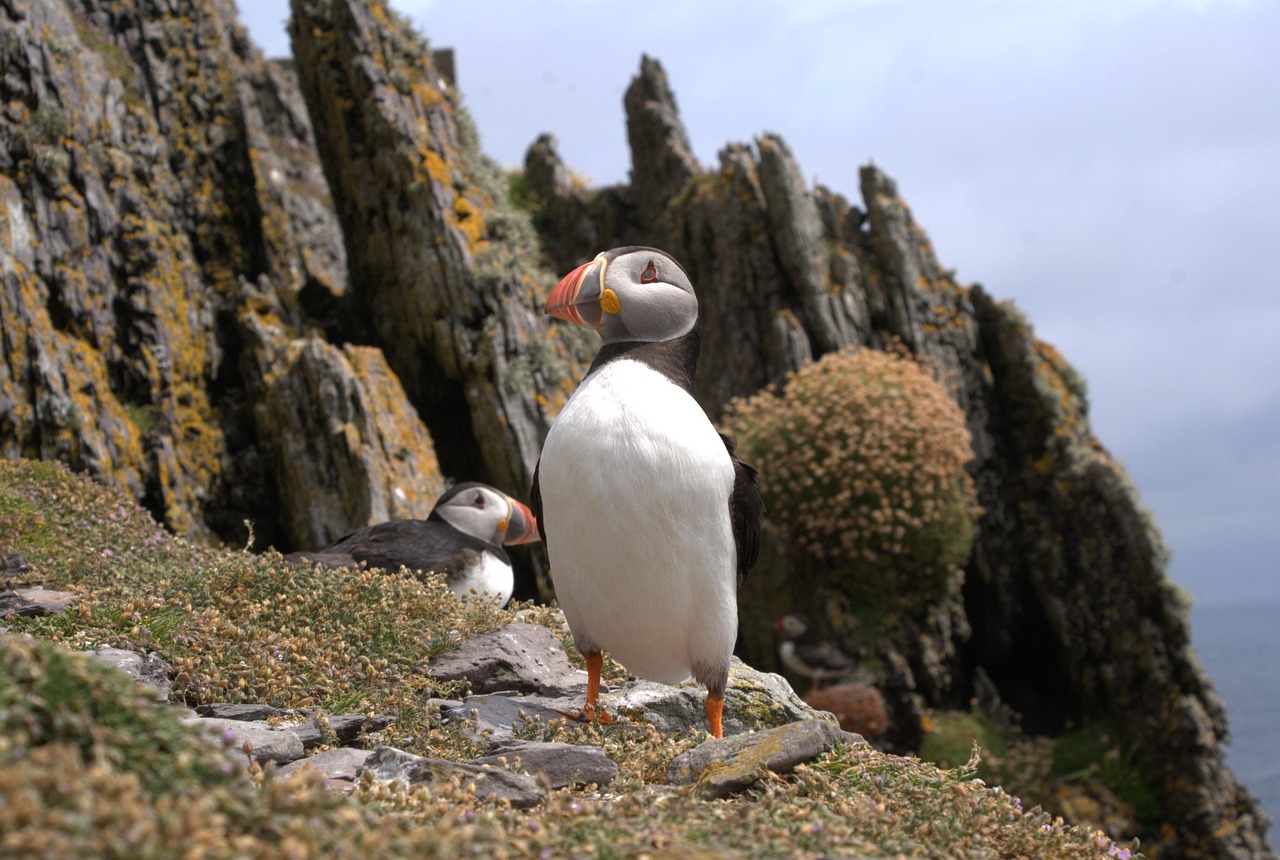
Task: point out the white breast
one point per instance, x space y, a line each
491 577
635 487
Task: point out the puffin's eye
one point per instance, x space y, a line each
479 502
650 273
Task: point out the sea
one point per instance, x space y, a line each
1239 647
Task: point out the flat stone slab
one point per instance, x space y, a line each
238 711
723 766
34 602
500 715
342 763
147 670
493 783
525 658
559 764
269 743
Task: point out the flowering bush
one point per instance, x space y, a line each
861 458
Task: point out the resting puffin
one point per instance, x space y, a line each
650 521
461 538
808 655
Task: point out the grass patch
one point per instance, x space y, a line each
90 767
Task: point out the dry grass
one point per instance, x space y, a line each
88 767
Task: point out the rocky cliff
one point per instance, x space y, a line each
299 295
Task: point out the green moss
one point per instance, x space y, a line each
1096 749
954 734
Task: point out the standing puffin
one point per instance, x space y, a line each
461 538
650 521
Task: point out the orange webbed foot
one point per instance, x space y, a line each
588 715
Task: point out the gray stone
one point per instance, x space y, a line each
31 602
342 763
238 711
373 461
754 700
146 669
388 763
726 765
268 742
526 658
347 728
13 563
559 764
499 715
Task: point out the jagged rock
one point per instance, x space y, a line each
559 764
36 601
722 766
662 160
346 448
388 763
343 763
442 268
523 658
268 742
145 669
140 186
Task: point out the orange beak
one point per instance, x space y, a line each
576 298
521 525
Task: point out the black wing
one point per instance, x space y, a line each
824 655
415 544
746 511
535 501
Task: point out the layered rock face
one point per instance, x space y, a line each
168 236
197 311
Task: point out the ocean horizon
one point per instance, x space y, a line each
1239 648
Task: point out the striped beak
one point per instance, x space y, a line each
521 526
576 298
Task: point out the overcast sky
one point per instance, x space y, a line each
1112 166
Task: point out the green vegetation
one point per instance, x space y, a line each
861 458
1095 750
953 735
91 767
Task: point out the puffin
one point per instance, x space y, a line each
808 655
650 521
462 538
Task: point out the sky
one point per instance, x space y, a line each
1111 166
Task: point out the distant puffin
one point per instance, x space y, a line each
809 656
461 538
650 521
